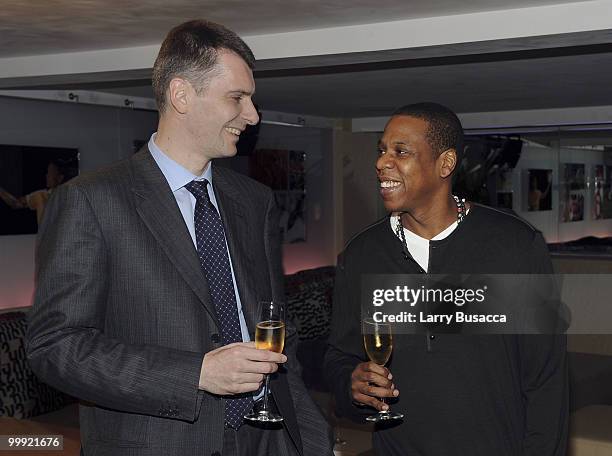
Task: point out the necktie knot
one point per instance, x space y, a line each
198 189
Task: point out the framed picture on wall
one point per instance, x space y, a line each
284 172
297 173
271 168
28 176
606 193
292 212
539 193
574 176
572 193
597 203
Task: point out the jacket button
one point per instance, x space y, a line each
432 337
215 339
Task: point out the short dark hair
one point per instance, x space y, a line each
444 127
190 51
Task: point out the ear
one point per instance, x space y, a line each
447 162
179 94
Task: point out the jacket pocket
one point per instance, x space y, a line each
120 428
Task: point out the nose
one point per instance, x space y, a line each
250 113
384 162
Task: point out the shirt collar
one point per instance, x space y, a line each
176 175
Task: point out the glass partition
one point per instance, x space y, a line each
559 179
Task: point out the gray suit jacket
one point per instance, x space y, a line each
122 314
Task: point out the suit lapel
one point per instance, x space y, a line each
235 215
158 209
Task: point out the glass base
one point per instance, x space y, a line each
264 416
385 416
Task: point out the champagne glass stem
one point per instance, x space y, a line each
266 389
382 399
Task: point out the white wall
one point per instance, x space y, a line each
342 195
101 134
362 204
105 134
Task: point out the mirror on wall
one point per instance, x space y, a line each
559 179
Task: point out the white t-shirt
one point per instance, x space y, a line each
418 246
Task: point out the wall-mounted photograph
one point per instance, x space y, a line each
571 193
284 172
606 193
598 192
292 213
576 208
28 177
574 176
539 195
270 167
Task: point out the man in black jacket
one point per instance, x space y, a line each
460 395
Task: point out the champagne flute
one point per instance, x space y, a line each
269 335
378 343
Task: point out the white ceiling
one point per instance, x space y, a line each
36 27
582 80
502 81
549 69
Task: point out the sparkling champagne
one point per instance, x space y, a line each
378 343
270 335
378 346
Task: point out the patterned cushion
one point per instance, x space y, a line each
309 298
22 395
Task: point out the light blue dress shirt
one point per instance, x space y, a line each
177 178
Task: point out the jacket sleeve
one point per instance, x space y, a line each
315 433
345 350
544 377
66 343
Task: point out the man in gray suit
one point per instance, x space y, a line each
150 271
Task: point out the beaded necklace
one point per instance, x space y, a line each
399 228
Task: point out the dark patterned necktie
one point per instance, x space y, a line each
214 259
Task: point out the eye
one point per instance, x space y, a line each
381 151
401 151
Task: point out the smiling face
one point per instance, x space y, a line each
411 174
219 113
